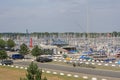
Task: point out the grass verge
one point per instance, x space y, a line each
9 73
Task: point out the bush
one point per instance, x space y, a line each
33 73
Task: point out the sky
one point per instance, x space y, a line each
59 15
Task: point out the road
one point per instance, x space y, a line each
105 73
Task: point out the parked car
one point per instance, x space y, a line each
117 55
99 56
85 57
17 56
108 60
7 62
43 59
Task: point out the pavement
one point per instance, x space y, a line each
77 70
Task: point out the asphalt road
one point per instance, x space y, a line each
105 73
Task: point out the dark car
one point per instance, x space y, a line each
17 56
99 56
7 62
108 60
43 59
117 55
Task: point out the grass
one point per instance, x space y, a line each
9 73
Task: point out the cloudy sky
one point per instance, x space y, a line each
59 15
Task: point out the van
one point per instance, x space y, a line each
17 56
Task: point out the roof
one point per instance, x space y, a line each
59 42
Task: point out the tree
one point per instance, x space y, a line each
10 43
0 35
48 51
24 50
118 34
3 54
115 34
36 51
2 44
33 73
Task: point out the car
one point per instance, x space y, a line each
7 62
108 60
85 57
117 55
17 56
99 56
43 59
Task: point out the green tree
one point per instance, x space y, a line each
3 54
48 51
2 43
36 51
24 50
118 34
10 43
0 35
33 73
114 34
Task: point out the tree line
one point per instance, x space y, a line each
56 34
24 49
7 44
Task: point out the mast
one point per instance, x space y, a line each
87 17
27 37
